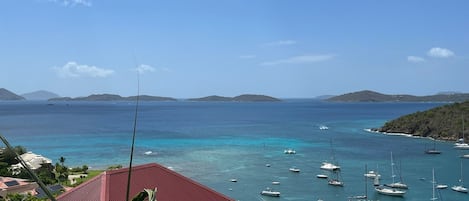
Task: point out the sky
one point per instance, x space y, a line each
280 48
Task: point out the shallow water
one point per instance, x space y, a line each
214 142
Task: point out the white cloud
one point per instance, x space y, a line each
280 43
71 3
144 68
73 69
440 52
300 60
415 59
247 56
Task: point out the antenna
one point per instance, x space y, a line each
133 138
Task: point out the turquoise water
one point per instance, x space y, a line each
214 142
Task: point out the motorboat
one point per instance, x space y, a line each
372 174
460 189
294 169
323 128
270 192
289 151
390 191
441 186
275 183
329 166
465 156
148 153
461 146
322 176
233 180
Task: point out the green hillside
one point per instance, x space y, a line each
444 122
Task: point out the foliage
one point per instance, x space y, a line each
146 193
445 122
9 157
114 167
21 197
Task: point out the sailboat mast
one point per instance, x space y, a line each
392 168
433 184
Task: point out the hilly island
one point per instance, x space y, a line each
443 123
372 96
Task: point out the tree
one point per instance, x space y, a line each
62 160
84 168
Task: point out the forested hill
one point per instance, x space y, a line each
444 122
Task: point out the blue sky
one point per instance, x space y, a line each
198 48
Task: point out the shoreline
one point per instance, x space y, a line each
402 134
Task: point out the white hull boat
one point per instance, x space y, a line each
390 191
329 166
269 192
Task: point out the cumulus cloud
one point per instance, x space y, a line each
299 60
71 3
280 43
440 52
415 59
73 69
247 56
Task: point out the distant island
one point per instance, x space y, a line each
240 98
113 97
8 95
39 95
443 123
372 96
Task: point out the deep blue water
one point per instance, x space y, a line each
214 142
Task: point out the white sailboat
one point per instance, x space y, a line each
386 189
390 191
460 188
394 184
335 180
434 186
460 144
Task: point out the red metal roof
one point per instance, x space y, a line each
112 185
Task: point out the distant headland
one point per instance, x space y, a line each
372 96
443 123
240 98
113 97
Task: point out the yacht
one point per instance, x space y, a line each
322 176
294 169
372 174
269 192
329 166
289 151
389 191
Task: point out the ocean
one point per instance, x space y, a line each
213 142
